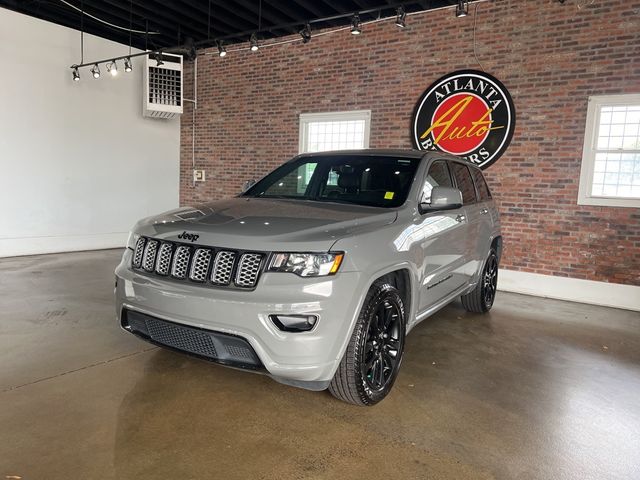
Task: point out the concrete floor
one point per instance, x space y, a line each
537 389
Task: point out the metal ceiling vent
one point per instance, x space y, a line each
162 86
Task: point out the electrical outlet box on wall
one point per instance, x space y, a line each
162 86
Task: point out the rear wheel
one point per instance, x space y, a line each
370 365
481 298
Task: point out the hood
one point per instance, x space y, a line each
266 224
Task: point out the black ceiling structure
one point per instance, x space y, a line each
205 21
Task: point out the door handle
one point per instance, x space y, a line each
484 211
461 218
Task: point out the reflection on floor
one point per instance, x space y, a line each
537 389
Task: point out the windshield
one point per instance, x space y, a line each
378 181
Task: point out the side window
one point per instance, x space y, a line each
481 185
464 182
437 176
295 183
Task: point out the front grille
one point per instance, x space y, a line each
181 262
149 257
223 268
139 252
209 266
248 269
200 265
164 259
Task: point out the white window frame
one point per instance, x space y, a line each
589 152
307 118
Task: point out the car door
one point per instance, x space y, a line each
472 210
442 238
485 217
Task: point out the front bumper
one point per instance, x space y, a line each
304 359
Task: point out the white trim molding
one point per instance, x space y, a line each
589 151
15 247
613 295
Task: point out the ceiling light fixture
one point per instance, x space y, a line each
401 17
221 50
76 74
305 33
462 9
95 71
254 42
112 68
127 65
356 28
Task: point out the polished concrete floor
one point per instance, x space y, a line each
538 389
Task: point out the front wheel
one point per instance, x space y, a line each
481 298
370 365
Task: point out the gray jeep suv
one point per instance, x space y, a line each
315 274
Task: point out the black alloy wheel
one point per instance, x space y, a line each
373 357
490 281
382 345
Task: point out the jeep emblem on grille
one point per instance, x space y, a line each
189 236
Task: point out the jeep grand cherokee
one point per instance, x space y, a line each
315 274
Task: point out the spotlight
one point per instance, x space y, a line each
127 65
112 68
401 17
158 58
305 33
221 50
95 71
76 74
462 9
356 28
254 43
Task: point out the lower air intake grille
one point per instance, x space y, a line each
215 346
181 338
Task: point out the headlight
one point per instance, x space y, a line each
132 240
306 264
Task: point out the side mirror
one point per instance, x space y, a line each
443 198
247 185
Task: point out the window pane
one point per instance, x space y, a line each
464 182
326 135
481 185
616 175
619 128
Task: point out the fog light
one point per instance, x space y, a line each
294 323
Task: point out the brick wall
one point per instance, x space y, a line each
550 56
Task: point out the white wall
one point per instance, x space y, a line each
79 165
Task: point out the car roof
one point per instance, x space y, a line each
405 153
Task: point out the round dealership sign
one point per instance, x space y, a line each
465 113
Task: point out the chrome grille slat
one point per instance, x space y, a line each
200 265
149 257
223 267
138 252
181 262
163 262
248 270
212 266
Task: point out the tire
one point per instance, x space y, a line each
481 298
372 360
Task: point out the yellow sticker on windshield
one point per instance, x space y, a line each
388 196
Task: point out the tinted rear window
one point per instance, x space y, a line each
481 185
